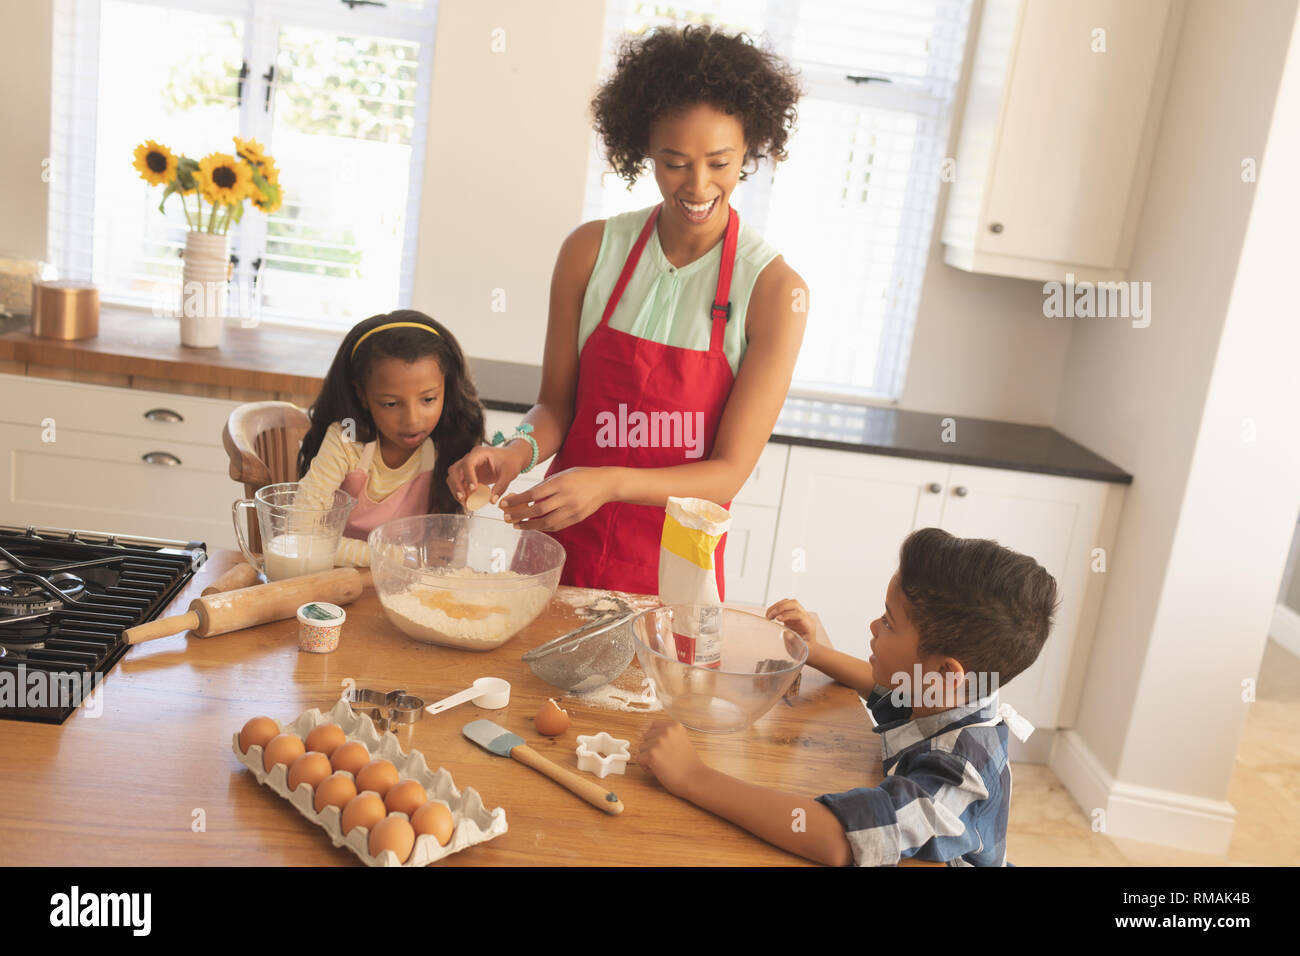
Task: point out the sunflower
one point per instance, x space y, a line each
250 151
267 193
223 179
156 163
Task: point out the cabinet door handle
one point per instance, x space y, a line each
934 487
960 491
163 415
995 227
161 458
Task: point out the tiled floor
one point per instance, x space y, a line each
1046 827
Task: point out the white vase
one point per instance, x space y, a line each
204 289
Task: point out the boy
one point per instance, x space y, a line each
965 615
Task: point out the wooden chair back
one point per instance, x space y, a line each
262 440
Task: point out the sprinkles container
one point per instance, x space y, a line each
319 627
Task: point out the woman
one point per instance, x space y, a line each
678 313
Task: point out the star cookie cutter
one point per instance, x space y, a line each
603 754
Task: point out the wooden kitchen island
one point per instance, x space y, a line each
152 780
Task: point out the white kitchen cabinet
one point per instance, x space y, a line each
112 466
748 556
845 514
1057 136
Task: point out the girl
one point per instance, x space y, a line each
397 408
678 313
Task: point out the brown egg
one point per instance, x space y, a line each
434 818
312 767
379 775
364 810
406 797
326 739
551 720
259 732
394 833
351 756
336 790
285 749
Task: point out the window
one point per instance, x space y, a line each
337 93
853 208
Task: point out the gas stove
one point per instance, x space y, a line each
65 599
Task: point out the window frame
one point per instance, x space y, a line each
74 136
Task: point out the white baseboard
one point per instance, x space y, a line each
1286 628
1037 749
1141 813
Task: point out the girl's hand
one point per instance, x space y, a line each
563 499
792 614
483 465
668 755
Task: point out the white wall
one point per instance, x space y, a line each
1207 522
26 31
506 166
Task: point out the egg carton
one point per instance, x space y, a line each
474 823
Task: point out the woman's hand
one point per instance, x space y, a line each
496 466
563 499
668 755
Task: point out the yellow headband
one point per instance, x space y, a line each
391 325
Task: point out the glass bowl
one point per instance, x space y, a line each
757 661
462 581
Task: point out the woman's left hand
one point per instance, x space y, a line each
563 499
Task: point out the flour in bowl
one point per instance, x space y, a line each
479 617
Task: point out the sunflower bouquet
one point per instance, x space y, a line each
225 181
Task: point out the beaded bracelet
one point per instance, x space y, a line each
524 432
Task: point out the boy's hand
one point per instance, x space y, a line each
792 614
666 752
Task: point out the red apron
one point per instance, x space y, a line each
409 499
617 547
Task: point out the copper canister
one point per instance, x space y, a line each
64 309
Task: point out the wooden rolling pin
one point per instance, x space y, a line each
260 604
242 575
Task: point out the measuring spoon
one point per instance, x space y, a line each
492 693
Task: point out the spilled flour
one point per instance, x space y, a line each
631 691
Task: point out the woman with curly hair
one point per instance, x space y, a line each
673 331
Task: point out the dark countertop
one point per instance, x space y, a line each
512 386
294 360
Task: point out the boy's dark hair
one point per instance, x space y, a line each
668 70
460 427
972 599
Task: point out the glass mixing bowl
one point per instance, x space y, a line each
462 581
759 660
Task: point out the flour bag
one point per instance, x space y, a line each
692 529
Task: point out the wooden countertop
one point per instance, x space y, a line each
128 786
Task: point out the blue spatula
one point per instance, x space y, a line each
496 739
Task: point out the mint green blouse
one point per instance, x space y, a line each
666 304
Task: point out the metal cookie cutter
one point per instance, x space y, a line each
403 708
603 754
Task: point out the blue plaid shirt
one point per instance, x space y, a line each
946 792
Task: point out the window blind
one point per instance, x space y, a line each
853 208
337 94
